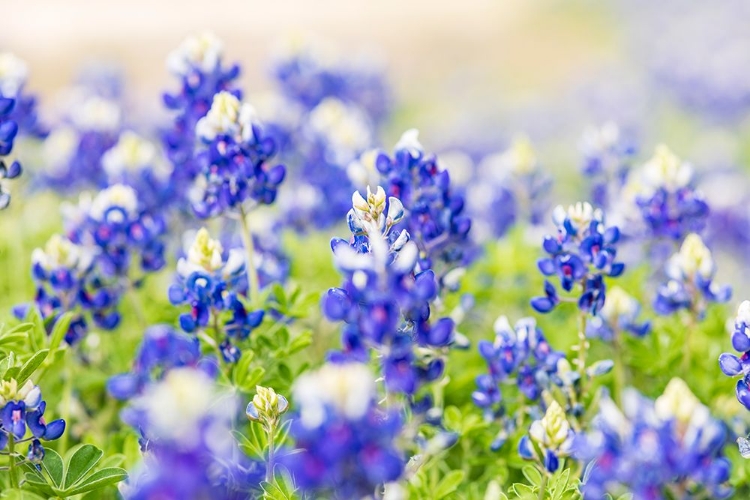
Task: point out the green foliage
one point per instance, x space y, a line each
75 474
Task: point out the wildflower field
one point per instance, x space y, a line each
217 292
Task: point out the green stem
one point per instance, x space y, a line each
269 463
252 273
67 396
12 456
582 346
135 300
543 486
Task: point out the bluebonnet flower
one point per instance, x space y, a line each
66 281
308 73
549 439
581 253
72 153
330 137
434 218
607 157
117 225
619 314
663 194
22 408
189 452
521 353
657 449
385 301
198 64
508 188
137 162
234 160
13 76
732 365
211 281
345 444
162 349
690 285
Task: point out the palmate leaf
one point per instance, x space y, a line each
73 477
81 461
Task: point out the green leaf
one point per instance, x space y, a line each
251 379
53 464
97 480
84 459
300 342
13 338
38 333
449 483
58 332
22 328
532 474
115 460
31 365
20 495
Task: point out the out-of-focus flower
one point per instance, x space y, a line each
618 314
690 285
385 299
672 444
552 435
607 158
345 443
186 425
581 254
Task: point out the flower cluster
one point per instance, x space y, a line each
189 450
17 113
508 188
732 365
607 157
329 139
137 162
435 218
549 439
21 408
619 314
72 153
233 157
211 281
385 301
670 445
198 65
690 285
521 352
162 349
581 254
345 443
116 223
66 281
662 190
307 74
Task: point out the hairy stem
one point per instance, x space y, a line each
271 449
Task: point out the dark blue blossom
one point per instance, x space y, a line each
521 353
734 366
345 443
668 204
234 159
385 301
690 285
212 282
117 225
580 255
656 449
435 216
66 280
22 408
198 65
